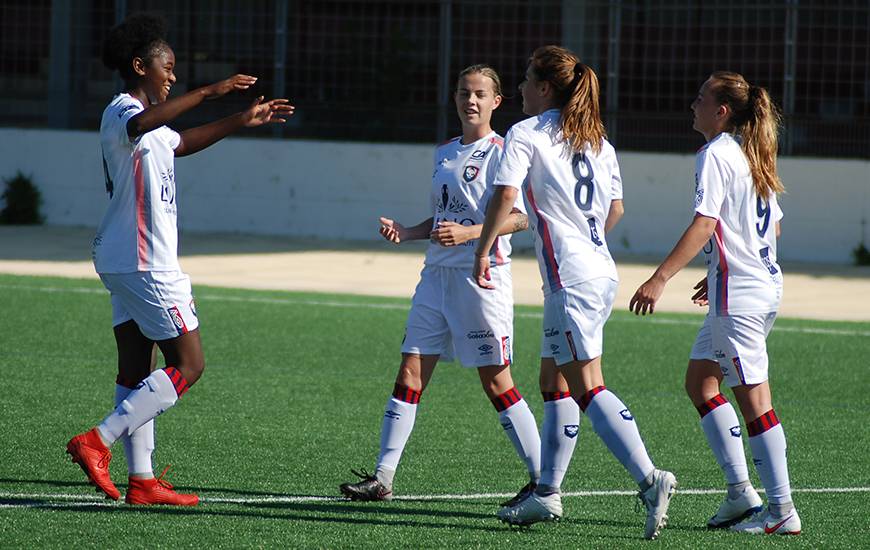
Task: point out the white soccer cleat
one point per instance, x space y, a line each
733 511
763 523
657 499
534 509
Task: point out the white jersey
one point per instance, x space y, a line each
568 195
742 274
139 229
461 190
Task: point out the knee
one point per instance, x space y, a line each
702 382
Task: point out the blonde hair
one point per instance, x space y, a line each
756 119
576 87
485 70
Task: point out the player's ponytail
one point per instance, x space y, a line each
756 119
576 93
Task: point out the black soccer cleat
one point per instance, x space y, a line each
368 489
521 496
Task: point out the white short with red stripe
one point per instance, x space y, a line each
574 320
452 316
738 343
161 302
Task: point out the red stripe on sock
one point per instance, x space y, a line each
587 397
555 395
763 423
707 407
406 394
178 381
506 400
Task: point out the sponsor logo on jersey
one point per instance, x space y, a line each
735 431
177 320
549 332
393 415
480 154
479 334
506 349
448 204
470 173
485 349
719 354
571 430
626 415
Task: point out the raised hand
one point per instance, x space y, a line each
392 230
234 83
450 234
272 111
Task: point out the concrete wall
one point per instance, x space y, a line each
333 190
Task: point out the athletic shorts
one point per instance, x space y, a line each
160 302
453 317
738 343
574 320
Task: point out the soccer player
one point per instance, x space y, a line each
449 313
568 171
135 249
736 223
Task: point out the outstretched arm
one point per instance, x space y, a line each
259 113
156 116
454 234
692 241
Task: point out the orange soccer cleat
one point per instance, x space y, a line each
89 452
157 491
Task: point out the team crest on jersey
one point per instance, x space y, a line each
626 415
735 431
480 154
571 430
470 173
177 320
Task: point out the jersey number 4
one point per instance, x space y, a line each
584 190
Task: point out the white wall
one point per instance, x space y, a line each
333 190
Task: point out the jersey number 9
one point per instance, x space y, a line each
763 211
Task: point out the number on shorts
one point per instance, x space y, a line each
585 187
763 210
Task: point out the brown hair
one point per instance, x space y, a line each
756 119
576 87
485 70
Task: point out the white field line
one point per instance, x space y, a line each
57 500
206 296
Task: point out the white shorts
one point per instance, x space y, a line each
574 320
160 302
738 343
450 315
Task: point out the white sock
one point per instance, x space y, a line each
559 436
138 446
615 425
155 396
395 430
722 429
520 427
767 442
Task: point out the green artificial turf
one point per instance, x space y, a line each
292 399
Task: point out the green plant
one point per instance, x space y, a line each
22 201
861 255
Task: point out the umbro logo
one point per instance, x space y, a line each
392 415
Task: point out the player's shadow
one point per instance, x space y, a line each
48 482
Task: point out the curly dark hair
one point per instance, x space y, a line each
139 35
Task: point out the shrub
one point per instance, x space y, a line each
861 255
22 202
